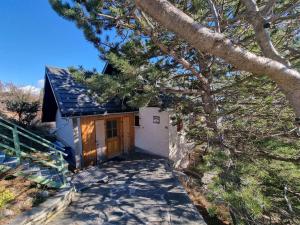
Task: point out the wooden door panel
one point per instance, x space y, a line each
88 135
113 147
113 138
126 134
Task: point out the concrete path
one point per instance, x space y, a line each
138 192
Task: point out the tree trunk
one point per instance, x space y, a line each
205 40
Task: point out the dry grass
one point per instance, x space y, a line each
26 197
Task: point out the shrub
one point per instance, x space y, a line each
5 197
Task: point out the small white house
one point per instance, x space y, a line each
97 132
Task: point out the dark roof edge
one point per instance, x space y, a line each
99 114
104 68
54 93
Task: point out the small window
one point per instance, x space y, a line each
111 129
137 121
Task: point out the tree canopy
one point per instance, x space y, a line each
244 128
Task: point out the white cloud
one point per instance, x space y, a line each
40 83
31 89
34 89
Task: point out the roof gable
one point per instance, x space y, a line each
110 69
49 106
73 98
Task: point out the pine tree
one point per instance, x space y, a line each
243 124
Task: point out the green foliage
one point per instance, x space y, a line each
281 146
255 185
259 159
243 123
212 211
138 81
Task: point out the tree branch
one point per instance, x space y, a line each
233 84
218 45
284 12
268 8
263 38
216 15
181 91
168 51
277 157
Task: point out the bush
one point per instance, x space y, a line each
26 111
5 197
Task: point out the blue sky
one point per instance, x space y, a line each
32 35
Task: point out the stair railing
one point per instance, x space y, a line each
18 132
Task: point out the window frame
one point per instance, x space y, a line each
112 129
137 121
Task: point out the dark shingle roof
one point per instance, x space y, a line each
74 99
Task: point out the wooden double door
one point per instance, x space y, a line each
106 137
119 135
113 138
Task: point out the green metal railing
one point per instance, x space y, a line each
25 144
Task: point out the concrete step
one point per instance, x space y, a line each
49 174
11 162
2 157
25 164
44 172
56 178
33 171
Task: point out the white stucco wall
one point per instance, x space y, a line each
180 148
77 142
100 140
151 137
64 130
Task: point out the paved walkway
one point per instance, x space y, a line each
138 192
